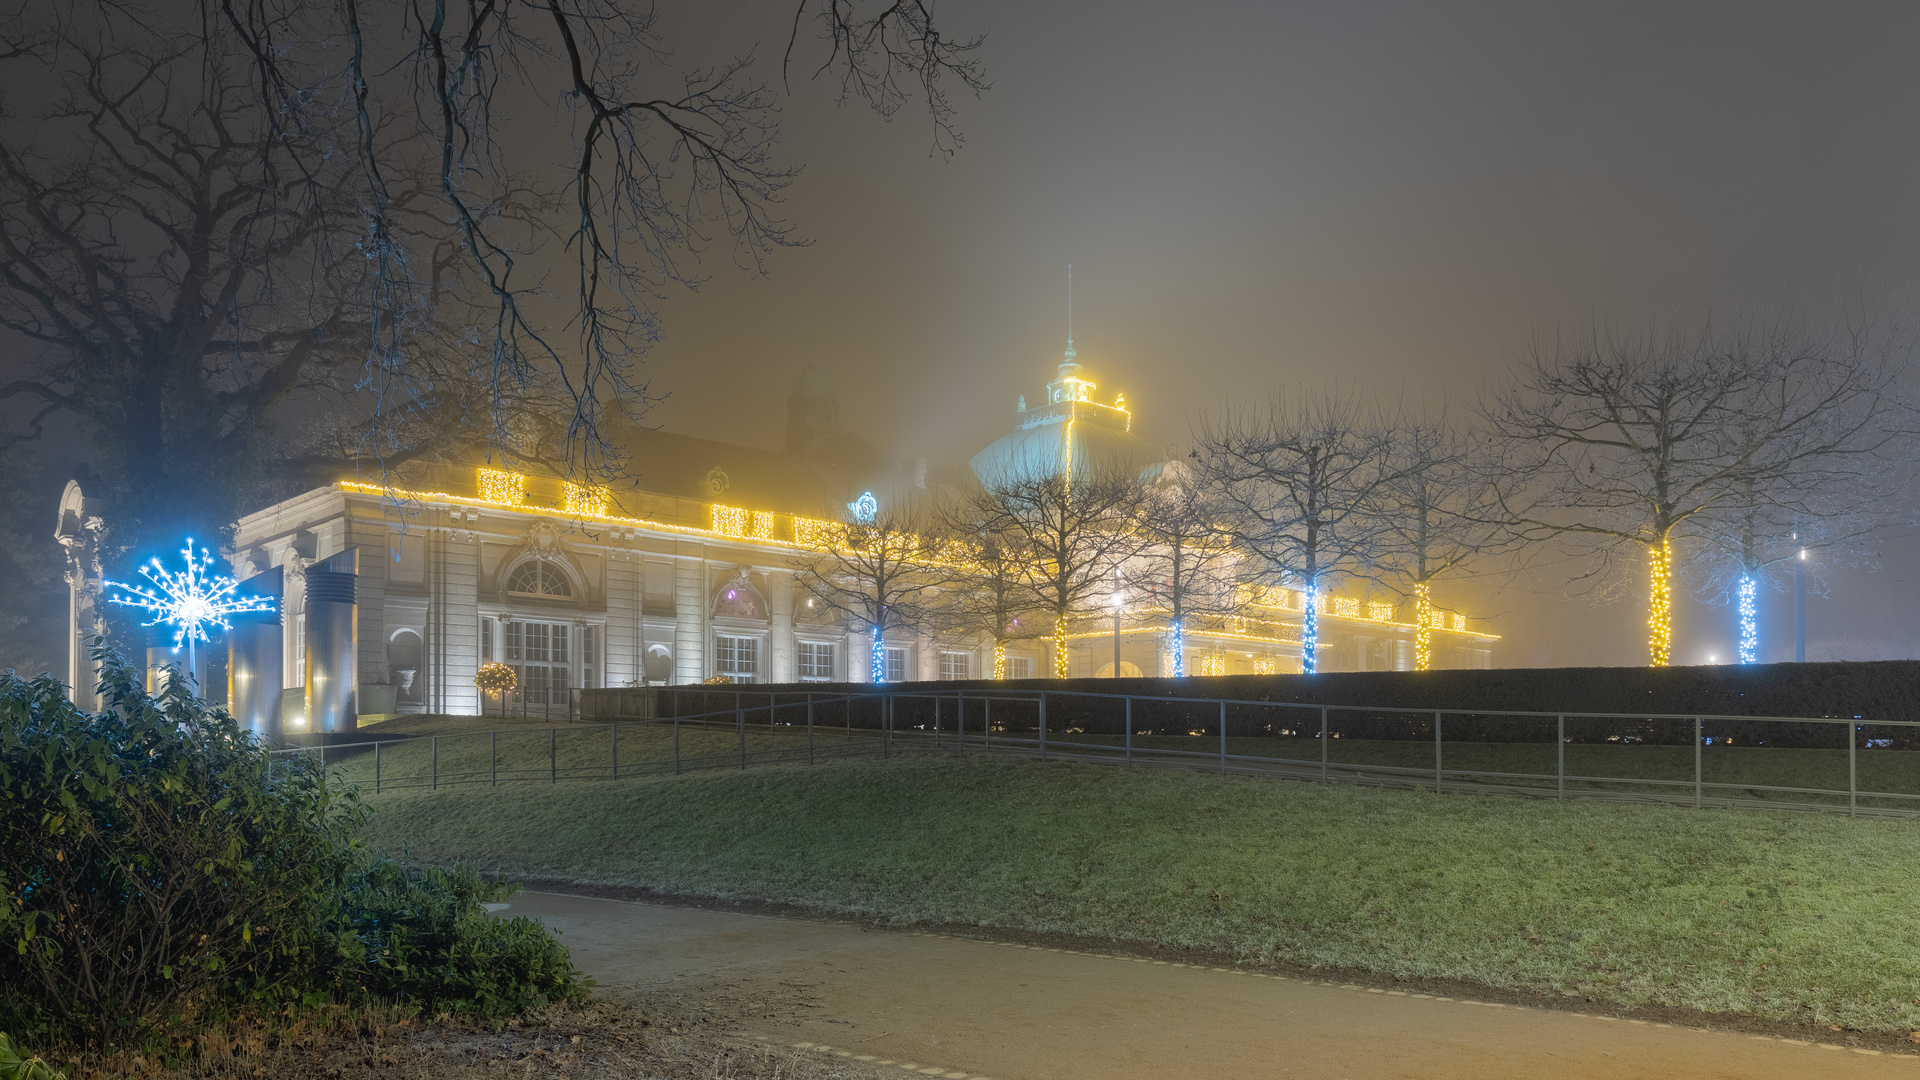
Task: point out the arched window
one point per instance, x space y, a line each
538 577
738 602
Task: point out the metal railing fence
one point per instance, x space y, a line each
1848 765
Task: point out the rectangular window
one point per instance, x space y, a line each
486 640
955 666
896 665
537 652
737 657
1019 667
816 661
589 650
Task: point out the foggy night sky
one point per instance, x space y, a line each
1393 195
1262 196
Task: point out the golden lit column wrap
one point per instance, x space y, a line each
1060 646
1660 609
1422 627
999 660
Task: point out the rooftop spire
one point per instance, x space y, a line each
1070 366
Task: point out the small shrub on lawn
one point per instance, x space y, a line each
157 865
422 935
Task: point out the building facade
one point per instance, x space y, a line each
690 573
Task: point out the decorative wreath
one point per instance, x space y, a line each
495 678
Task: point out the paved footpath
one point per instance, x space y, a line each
955 1007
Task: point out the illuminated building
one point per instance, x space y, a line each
686 572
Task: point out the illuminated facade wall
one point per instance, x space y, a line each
451 580
444 582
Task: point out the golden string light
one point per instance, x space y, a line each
1422 626
1060 646
999 659
1660 613
586 501
500 486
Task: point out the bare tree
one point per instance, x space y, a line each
1634 443
880 574
991 595
214 215
1185 562
1437 510
1297 479
1074 532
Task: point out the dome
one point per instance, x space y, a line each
1071 433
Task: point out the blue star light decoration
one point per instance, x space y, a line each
189 601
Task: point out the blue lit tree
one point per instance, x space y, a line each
879 575
1298 480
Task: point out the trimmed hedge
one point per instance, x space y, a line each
1873 691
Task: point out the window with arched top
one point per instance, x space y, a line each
738 602
538 577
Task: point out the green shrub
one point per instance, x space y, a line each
151 857
422 935
156 862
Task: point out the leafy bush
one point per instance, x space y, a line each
423 935
150 855
156 861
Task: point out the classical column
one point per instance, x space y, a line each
689 613
620 659
780 645
926 658
254 657
333 644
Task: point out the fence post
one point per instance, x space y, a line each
1043 725
986 724
1323 744
886 723
616 750
1853 776
936 718
1129 721
1223 738
1696 763
676 734
809 728
553 755
1560 744
1436 752
376 768
493 761
960 725
740 721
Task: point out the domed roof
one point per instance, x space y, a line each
1071 434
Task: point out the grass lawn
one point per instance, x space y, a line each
1806 918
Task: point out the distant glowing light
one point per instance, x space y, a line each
864 508
1749 621
189 601
877 663
1178 647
